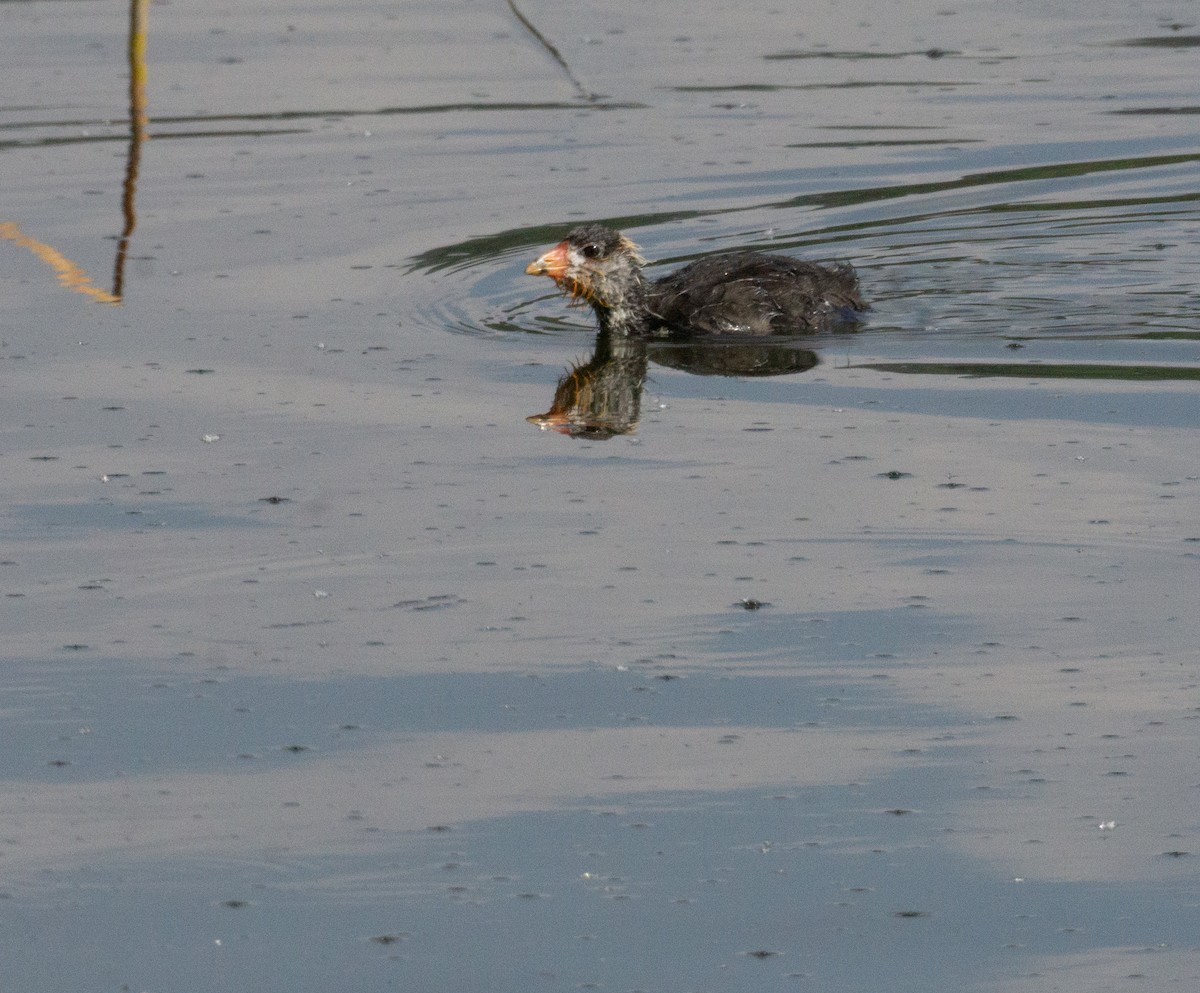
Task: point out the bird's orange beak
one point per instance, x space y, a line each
553 264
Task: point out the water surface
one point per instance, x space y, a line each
869 666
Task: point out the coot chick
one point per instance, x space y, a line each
741 293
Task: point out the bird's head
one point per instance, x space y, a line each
596 264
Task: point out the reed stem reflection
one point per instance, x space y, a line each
137 135
70 275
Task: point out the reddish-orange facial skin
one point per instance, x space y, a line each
553 264
567 269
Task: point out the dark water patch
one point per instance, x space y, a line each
1051 171
328 114
887 143
1181 335
790 641
1034 370
167 127
1138 404
853 56
29 521
49 142
1160 41
184 722
1157 111
862 84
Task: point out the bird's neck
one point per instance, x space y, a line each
624 310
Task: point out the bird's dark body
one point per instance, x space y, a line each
748 293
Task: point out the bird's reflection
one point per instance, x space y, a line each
602 398
777 357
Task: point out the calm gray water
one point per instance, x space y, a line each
323 668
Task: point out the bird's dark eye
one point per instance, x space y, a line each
591 250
